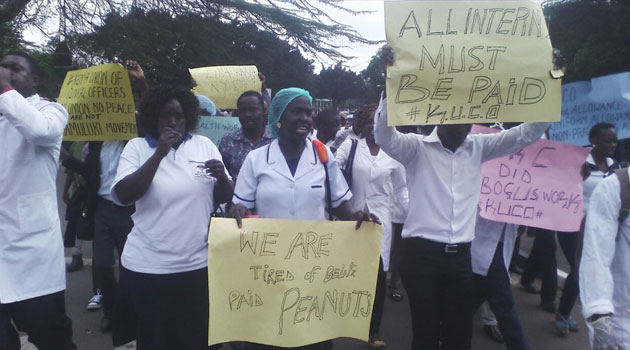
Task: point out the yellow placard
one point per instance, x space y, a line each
224 84
290 283
100 104
469 62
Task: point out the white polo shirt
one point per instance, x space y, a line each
170 231
265 183
444 186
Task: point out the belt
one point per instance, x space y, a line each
447 248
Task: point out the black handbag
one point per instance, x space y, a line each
347 171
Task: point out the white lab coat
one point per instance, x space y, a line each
487 236
265 183
605 264
374 181
31 247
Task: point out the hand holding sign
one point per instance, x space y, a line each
469 62
290 283
100 104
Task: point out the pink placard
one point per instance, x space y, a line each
537 186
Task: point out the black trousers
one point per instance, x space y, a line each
379 299
542 262
440 285
112 224
42 318
162 311
497 289
569 245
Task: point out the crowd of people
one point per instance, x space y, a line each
147 203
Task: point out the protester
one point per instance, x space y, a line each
491 253
32 267
443 176
376 178
253 133
282 175
109 221
328 124
174 178
604 272
598 166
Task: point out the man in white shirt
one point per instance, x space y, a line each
32 266
443 178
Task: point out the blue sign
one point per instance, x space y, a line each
215 127
584 104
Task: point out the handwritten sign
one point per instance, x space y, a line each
469 62
224 84
586 103
100 104
290 283
539 185
215 127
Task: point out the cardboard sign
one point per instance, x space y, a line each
585 103
100 104
539 185
224 84
469 62
290 283
215 127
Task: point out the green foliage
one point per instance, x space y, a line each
10 38
374 79
340 85
593 35
167 46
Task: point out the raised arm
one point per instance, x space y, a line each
509 141
42 126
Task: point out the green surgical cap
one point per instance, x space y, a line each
280 103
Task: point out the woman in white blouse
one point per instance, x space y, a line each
376 180
174 178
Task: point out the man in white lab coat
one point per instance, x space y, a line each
605 269
32 267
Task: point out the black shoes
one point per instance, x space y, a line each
494 333
76 264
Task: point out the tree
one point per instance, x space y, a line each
300 22
592 34
374 79
166 46
339 84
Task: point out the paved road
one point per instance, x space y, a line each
396 325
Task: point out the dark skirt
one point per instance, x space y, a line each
162 311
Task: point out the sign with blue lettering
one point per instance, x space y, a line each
215 127
584 104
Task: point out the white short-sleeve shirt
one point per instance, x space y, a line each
266 183
170 231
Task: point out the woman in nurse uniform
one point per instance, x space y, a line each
286 179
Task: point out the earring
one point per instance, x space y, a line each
278 124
